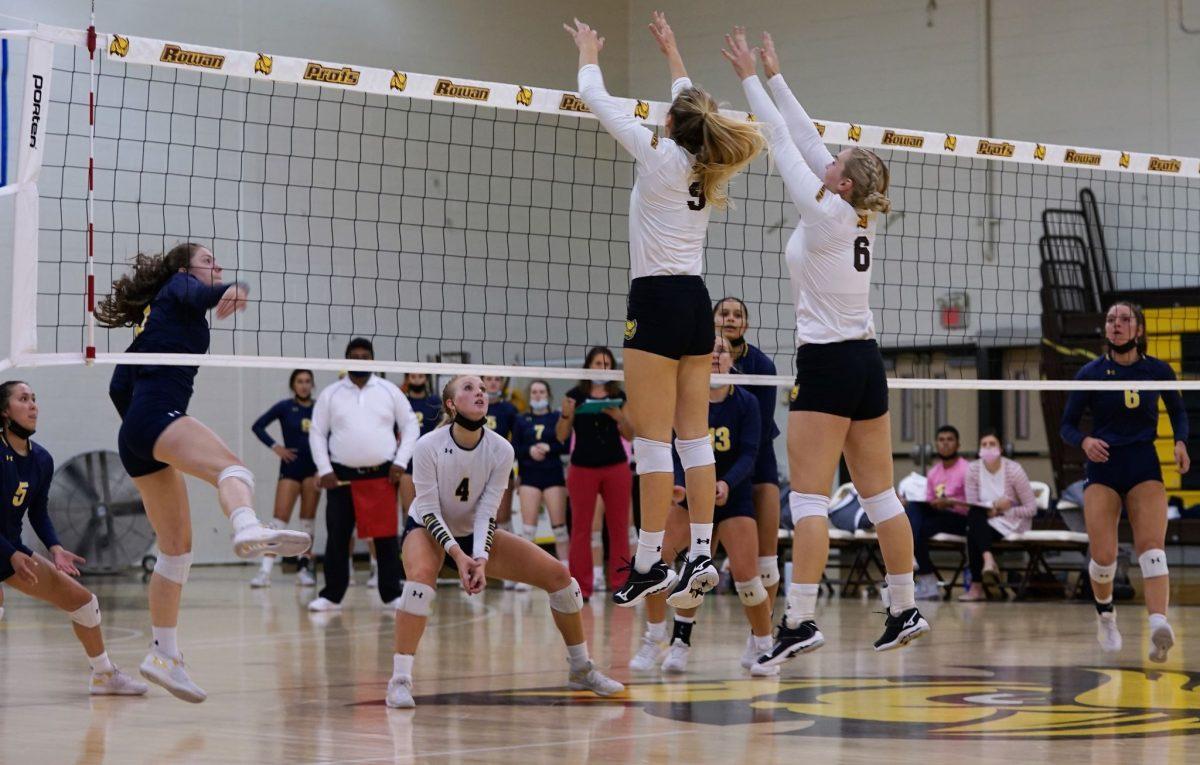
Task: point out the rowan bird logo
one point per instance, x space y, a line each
524 96
1124 159
399 81
264 64
642 110
119 46
951 143
1039 151
854 133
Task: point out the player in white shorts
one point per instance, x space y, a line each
461 470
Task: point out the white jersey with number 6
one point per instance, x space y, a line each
460 488
829 254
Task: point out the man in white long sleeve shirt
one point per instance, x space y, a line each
354 437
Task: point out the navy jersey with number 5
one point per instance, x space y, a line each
502 418
24 487
1123 417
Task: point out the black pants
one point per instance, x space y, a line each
339 524
927 521
980 538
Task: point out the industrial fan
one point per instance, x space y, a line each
98 513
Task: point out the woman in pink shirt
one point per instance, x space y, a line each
1001 503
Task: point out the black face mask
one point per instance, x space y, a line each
416 389
17 430
1125 347
738 343
359 376
466 424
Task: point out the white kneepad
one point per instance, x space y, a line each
752 592
87 615
239 472
652 456
568 600
882 507
174 567
695 452
768 570
1101 574
1153 563
807 506
417 599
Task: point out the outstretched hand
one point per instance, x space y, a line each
663 34
588 40
767 55
235 298
739 54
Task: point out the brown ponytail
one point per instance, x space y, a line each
722 146
870 177
126 306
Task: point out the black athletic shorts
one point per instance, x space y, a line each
144 416
298 469
1127 466
669 316
844 379
467 543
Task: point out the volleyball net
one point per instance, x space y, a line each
459 223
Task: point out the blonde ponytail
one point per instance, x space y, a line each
722 146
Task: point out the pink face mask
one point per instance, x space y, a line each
989 453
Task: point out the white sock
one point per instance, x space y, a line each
308 526
100 663
1157 620
268 563
801 603
1104 601
529 531
763 643
164 641
701 540
577 656
649 550
901 593
243 518
402 665
657 631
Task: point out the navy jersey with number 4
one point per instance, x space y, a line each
176 321
1123 417
24 487
295 420
735 428
427 409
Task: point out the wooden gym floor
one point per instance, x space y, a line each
995 683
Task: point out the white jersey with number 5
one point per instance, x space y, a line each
668 215
829 254
461 488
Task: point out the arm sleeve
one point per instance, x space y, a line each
39 510
1070 432
410 429
489 504
800 126
427 505
6 548
1027 507
557 448
1175 408
679 85
198 296
522 437
260 426
636 138
972 482
748 441
318 434
806 190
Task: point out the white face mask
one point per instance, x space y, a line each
599 382
989 453
539 405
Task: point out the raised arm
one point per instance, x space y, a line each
800 125
806 190
636 138
665 37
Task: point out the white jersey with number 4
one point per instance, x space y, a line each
829 254
668 215
460 488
